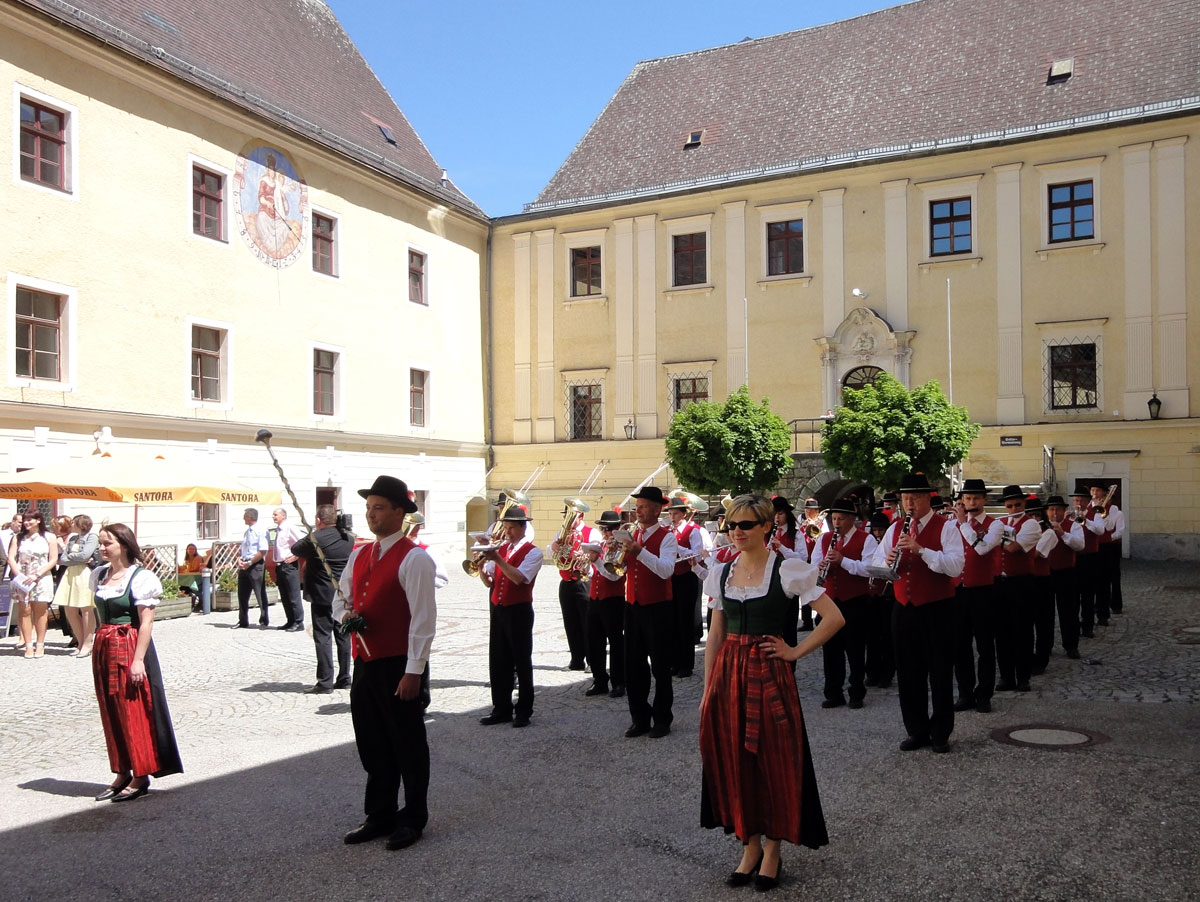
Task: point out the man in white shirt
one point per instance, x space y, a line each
250 571
1068 542
976 609
1014 585
1104 522
287 570
390 586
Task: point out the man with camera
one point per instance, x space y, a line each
336 543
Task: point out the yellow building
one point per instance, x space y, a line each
930 191
218 220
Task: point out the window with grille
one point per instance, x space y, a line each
207 347
690 259
585 409
324 382
324 230
1072 211
585 271
39 335
43 145
418 396
208 201
416 278
208 521
688 389
785 247
949 226
1073 376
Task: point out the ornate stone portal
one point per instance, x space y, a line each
864 339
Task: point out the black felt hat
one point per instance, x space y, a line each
610 519
844 505
1012 493
915 482
1056 500
394 490
879 520
651 493
781 504
973 487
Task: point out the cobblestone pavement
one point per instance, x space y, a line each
570 810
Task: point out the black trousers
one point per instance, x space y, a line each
390 735
1102 584
648 646
510 648
287 577
1014 629
1066 600
925 667
605 626
1043 621
573 599
1110 558
881 662
326 638
685 589
251 580
975 613
1085 583
848 646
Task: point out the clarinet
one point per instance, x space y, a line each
904 527
823 571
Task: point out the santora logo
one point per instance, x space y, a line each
240 497
140 497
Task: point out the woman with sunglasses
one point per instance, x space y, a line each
759 780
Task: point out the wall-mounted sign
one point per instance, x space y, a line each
1010 441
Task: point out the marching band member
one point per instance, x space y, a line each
842 557
1014 632
975 603
881 658
1043 588
685 583
1102 522
510 573
927 557
573 594
606 603
1062 572
650 555
891 506
1085 564
786 531
441 579
812 518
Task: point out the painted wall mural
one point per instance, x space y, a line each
271 202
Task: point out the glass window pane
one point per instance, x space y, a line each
51 123
941 245
1083 190
210 367
45 366
1060 193
24 302
46 338
941 210
1083 211
962 227
962 207
941 230
23 365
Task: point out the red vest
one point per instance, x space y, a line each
578 537
642 585
918 584
683 536
841 585
979 569
726 554
1013 560
787 539
1061 557
1040 566
1091 541
380 599
599 587
504 590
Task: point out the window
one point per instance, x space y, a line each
39 335
586 421
416 278
323 238
324 381
689 253
785 247
1073 376
950 226
861 377
208 521
206 363
208 198
420 499
418 388
585 271
689 389
1072 212
43 145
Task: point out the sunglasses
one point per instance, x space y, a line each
744 525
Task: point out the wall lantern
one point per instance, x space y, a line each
1154 404
631 429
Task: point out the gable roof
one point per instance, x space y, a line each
909 79
288 61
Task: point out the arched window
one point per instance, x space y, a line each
861 376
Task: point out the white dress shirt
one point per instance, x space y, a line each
286 535
991 537
854 568
949 561
528 568
662 564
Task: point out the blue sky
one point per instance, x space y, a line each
501 92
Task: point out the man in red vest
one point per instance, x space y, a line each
1102 522
650 558
1015 589
510 573
685 582
389 584
1086 568
975 605
927 551
606 604
1062 571
573 592
881 662
843 555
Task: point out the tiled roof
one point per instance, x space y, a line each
930 74
289 61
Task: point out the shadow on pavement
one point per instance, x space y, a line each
275 687
74 788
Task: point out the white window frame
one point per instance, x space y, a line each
1060 173
944 189
339 384
586 238
771 213
226 202
226 402
688 369
1076 332
686 226
428 370
570 378
67 343
71 168
337 242
420 249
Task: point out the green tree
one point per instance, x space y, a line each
737 445
884 431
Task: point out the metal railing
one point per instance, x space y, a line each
810 427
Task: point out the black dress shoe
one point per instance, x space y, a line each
128 794
521 720
683 674
1088 634
941 747
983 707
596 689
286 626
113 790
575 665
763 883
912 743
1006 687
1073 654
1022 687
495 718
240 626
404 837
1038 670
294 628
964 704
833 703
856 703
885 684
658 731
342 684
319 690
367 831
617 691
637 729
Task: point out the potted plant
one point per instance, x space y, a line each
173 602
224 592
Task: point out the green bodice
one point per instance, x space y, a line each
119 609
766 615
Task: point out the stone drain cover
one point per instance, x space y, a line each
1048 736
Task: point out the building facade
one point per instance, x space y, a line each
209 235
947 200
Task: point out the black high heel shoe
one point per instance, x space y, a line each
763 883
128 794
113 790
741 878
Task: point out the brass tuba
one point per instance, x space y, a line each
410 522
814 528
564 558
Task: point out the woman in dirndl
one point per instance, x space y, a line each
129 686
759 780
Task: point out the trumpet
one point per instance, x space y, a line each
814 528
564 558
614 557
1101 509
410 522
495 533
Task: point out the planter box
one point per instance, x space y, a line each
227 601
170 608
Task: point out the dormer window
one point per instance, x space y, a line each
694 139
1060 71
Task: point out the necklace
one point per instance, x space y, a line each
115 575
